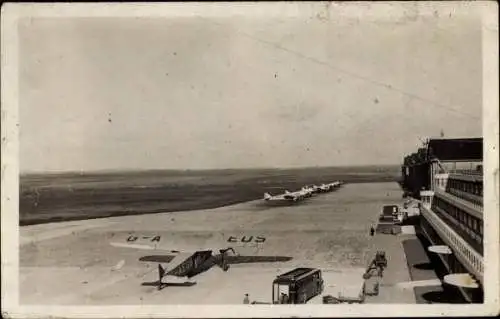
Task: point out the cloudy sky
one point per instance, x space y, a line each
141 93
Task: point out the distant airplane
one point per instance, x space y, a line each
304 192
301 194
334 185
286 197
325 187
307 191
316 189
184 265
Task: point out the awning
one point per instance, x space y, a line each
461 280
444 250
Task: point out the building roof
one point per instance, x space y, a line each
459 149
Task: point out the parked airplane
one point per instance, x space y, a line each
286 197
323 188
301 194
307 191
316 189
304 192
326 187
334 184
337 184
184 264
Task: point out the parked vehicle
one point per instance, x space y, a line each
297 286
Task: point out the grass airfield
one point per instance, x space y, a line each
46 198
73 263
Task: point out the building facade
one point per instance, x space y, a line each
451 209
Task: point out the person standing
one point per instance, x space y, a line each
372 231
246 300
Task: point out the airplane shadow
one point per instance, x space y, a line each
256 259
230 259
158 258
163 284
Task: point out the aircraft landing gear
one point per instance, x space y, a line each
225 267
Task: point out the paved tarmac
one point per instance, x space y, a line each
72 263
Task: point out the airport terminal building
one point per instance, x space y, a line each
446 175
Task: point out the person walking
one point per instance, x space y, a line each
372 231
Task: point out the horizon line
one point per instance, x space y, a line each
112 170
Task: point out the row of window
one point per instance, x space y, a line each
475 188
473 258
461 221
472 239
473 199
440 182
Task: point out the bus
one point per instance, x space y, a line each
297 286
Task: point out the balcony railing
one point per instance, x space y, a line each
471 198
471 208
468 235
466 175
462 250
470 172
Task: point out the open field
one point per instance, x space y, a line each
73 196
329 231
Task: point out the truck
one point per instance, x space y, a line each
297 286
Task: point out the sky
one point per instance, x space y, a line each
221 92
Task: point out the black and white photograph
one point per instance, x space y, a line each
250 159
